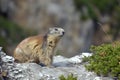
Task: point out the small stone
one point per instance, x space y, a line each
7 59
97 78
2 54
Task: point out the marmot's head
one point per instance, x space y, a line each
57 32
54 35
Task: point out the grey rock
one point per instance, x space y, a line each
61 66
7 59
0 48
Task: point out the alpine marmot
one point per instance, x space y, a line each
40 48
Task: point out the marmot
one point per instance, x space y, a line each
39 49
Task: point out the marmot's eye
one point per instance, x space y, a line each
56 29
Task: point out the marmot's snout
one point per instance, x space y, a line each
62 32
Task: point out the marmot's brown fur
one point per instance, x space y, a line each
39 49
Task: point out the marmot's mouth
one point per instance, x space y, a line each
61 35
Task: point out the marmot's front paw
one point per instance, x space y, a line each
42 65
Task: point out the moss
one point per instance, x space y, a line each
105 60
69 77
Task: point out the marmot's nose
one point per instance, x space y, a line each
63 33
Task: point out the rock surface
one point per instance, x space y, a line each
31 71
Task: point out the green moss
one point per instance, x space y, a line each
69 77
105 60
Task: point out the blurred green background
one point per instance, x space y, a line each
86 22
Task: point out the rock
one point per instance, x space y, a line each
0 49
62 61
7 59
33 71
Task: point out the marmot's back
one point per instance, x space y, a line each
39 49
25 49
